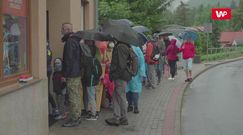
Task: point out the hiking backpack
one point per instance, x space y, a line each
132 64
155 52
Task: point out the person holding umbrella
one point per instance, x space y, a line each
123 36
188 53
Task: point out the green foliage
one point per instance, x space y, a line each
222 55
183 15
112 9
143 12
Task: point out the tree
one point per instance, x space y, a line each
113 9
238 17
143 12
183 14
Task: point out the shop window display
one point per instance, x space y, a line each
15 38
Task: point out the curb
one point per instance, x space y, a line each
198 74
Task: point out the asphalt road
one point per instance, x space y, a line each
213 104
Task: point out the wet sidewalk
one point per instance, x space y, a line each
159 112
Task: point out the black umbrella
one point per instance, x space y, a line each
163 33
93 35
142 39
125 22
140 29
121 32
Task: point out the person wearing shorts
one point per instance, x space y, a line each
188 53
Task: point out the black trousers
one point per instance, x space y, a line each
172 64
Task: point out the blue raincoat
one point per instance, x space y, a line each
135 85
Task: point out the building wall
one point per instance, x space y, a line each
90 15
24 107
25 111
64 11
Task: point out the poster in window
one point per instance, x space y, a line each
15 7
15 37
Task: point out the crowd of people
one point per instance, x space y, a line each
79 67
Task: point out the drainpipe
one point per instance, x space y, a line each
96 14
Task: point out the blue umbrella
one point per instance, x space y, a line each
188 35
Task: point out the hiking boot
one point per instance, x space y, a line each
72 123
91 117
112 122
136 111
129 108
187 80
123 121
190 80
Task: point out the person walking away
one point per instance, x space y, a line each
151 63
92 74
59 88
160 65
120 75
72 73
134 87
188 53
171 54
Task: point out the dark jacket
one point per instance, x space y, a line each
93 71
58 85
71 56
92 68
118 67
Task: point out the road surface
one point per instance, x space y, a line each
213 103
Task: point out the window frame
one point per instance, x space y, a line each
11 79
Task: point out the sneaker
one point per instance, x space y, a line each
91 117
153 87
136 111
61 117
112 122
84 114
97 115
173 79
72 123
170 78
123 121
187 80
129 108
56 113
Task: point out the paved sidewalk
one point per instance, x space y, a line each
159 112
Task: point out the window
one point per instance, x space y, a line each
15 47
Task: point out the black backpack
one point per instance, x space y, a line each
155 51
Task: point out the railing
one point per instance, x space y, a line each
222 53
224 49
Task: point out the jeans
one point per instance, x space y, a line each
132 98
